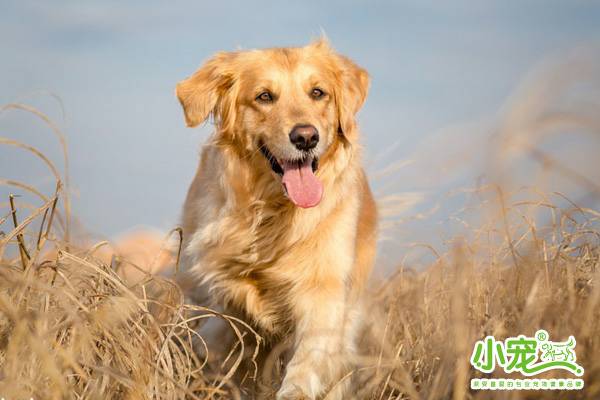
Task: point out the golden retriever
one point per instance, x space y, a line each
279 220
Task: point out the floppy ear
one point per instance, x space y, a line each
351 94
208 91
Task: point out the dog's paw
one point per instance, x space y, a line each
292 393
300 383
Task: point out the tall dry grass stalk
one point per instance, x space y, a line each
73 326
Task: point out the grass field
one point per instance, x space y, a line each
73 324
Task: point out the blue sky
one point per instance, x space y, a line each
115 64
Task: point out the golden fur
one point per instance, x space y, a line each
287 269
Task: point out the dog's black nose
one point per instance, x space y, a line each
304 137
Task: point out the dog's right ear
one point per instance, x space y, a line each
206 91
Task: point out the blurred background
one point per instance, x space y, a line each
447 80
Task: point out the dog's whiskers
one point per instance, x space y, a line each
253 153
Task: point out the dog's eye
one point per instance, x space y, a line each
265 97
317 93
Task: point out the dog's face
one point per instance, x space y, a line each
291 105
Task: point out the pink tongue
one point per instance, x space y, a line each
301 184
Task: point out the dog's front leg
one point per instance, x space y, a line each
323 342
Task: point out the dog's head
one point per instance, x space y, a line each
292 105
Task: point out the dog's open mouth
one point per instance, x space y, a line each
298 177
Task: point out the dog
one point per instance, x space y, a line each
279 220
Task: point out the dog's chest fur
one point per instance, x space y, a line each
251 252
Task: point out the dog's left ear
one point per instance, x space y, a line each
209 91
350 96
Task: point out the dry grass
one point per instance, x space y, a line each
71 325
503 283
